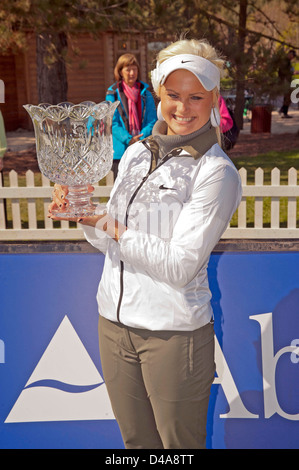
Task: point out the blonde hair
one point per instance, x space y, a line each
202 48
124 61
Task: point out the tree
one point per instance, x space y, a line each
245 31
53 21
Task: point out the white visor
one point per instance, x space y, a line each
207 73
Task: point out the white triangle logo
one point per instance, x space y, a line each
64 386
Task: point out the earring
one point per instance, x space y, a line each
215 117
159 112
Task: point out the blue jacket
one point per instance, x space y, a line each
120 123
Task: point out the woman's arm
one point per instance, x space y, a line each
98 229
119 130
198 228
150 116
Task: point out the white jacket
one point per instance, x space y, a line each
155 276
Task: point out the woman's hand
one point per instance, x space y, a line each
59 201
103 222
135 139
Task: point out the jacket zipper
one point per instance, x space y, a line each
122 263
167 157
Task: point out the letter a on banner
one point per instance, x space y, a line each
225 379
64 386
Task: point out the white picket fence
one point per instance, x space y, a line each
275 191
24 199
33 195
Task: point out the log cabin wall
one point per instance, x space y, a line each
86 70
10 108
90 68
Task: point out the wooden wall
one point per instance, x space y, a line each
10 108
89 69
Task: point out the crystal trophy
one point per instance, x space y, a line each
74 148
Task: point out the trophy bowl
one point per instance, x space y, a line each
74 148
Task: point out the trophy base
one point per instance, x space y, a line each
79 204
74 213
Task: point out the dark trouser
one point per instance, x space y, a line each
286 103
158 383
115 168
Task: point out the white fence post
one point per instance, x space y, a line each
48 222
242 210
32 222
15 203
258 204
2 208
292 202
275 202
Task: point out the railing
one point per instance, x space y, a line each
33 200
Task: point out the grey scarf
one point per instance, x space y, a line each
196 143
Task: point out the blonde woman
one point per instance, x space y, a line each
172 200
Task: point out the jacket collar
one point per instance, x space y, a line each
196 146
202 143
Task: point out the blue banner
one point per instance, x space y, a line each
52 390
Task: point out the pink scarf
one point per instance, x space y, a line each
132 95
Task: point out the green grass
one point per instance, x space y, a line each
281 160
268 161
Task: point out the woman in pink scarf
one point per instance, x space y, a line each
133 97
136 114
226 122
228 127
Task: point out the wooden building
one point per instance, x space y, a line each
89 72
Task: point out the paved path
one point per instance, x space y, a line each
279 125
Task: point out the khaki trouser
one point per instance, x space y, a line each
158 383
